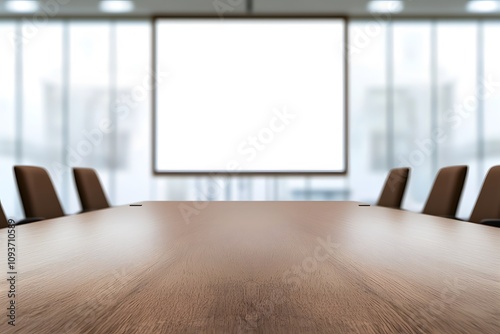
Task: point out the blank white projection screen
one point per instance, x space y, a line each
250 95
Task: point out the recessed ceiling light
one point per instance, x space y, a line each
379 6
118 6
482 6
21 6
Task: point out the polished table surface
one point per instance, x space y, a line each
254 267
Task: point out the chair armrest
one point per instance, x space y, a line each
491 222
29 220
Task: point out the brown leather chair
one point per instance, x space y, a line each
487 208
3 219
37 193
445 194
4 222
394 188
89 187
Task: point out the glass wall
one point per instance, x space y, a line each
9 140
441 91
76 93
489 92
423 94
457 78
412 107
41 95
369 144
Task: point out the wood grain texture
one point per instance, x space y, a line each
255 267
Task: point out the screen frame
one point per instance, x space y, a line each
154 68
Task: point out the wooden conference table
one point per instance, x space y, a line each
254 267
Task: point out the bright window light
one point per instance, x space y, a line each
481 6
377 6
118 6
18 6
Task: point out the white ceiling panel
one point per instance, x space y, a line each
340 7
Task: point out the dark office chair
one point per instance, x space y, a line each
37 193
445 194
90 191
394 188
4 222
487 208
3 219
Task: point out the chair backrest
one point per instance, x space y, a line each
90 191
394 188
37 192
446 192
3 219
488 202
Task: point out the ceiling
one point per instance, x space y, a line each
342 7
